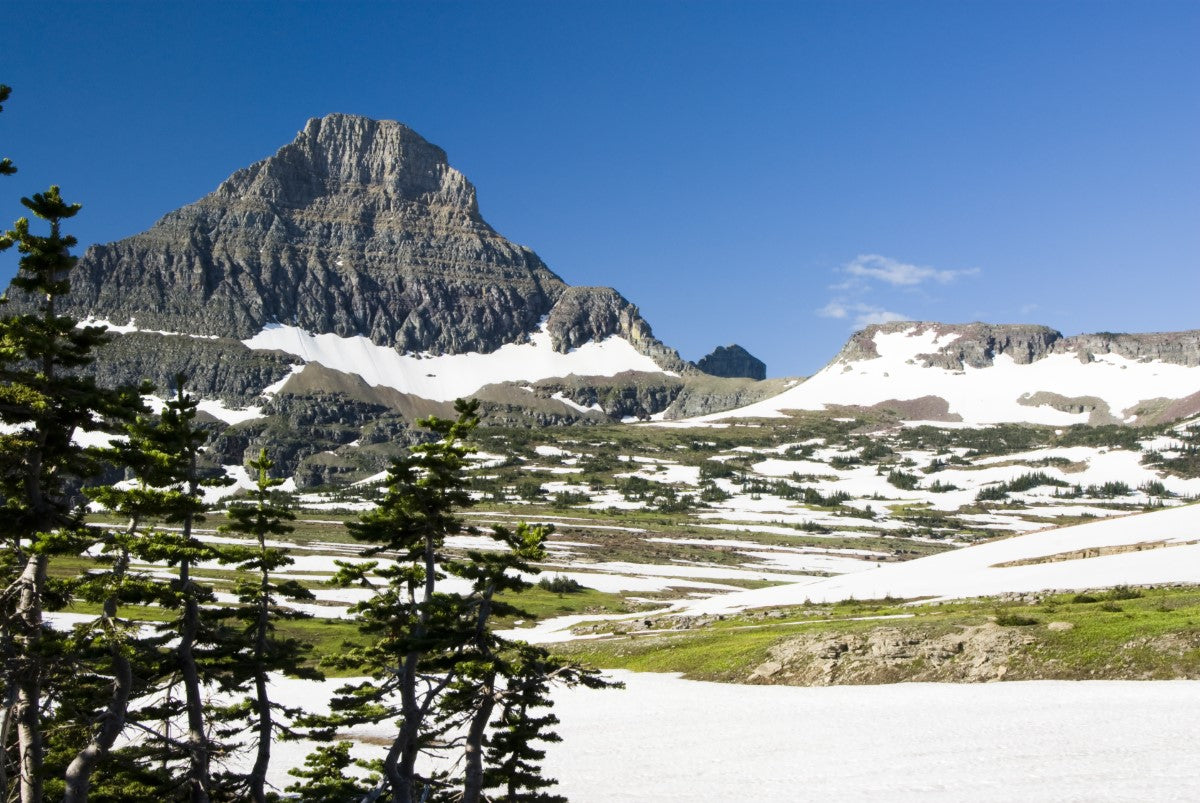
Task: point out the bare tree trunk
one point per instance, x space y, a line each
112 722
400 765
258 776
6 719
198 759
79 773
473 749
27 711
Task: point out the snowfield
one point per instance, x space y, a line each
666 739
451 376
975 571
980 395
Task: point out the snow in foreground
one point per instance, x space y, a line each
975 571
666 739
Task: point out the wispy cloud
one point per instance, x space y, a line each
861 314
870 281
900 274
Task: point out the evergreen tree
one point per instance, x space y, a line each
177 440
260 650
325 776
436 665
44 404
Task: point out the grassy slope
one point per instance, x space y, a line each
1156 635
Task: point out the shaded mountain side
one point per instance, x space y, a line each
704 395
733 361
221 368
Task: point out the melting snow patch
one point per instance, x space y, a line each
451 376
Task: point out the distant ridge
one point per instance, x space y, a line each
980 373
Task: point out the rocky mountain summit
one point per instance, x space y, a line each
357 227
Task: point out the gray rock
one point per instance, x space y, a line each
222 368
733 362
978 344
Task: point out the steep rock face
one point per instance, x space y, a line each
594 313
733 362
628 395
358 227
705 395
220 368
1180 348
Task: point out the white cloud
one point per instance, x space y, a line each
863 314
834 309
894 272
878 315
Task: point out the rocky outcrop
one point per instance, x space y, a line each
1180 348
971 654
626 395
583 314
976 345
733 362
1097 410
973 344
220 368
705 395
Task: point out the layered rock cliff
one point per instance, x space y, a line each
358 227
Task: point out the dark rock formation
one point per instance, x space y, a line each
704 395
1181 348
733 362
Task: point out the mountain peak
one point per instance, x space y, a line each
381 162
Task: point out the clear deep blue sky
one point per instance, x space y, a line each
760 173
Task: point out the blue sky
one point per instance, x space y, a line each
771 174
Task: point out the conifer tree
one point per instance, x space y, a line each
44 404
177 440
261 650
434 650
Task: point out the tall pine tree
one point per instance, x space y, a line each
44 405
260 649
436 665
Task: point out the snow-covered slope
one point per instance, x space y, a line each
1149 548
450 376
1056 388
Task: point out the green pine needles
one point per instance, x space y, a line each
456 689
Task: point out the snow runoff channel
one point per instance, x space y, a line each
451 376
979 395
